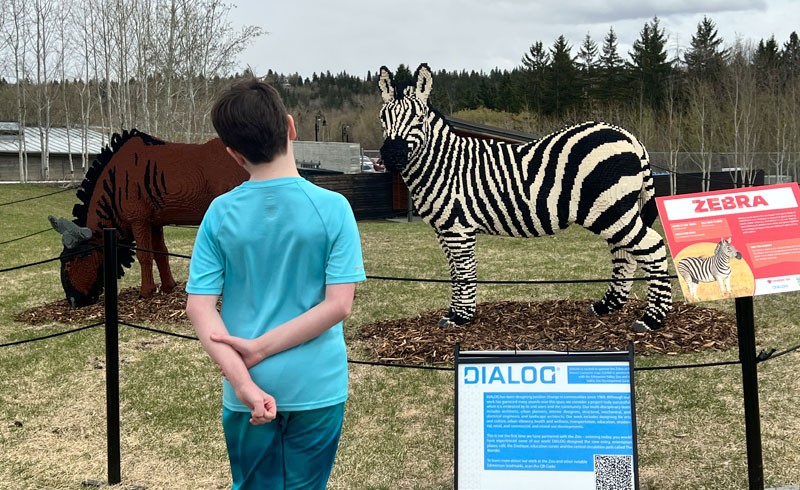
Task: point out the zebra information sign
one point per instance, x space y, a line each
734 243
545 421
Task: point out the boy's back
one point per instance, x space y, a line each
275 245
286 256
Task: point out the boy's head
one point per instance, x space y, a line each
250 118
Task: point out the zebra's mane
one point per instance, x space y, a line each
89 185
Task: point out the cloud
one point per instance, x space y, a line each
567 12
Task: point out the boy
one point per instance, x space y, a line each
285 254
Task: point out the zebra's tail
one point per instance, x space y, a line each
647 202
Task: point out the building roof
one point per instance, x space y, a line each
61 140
468 128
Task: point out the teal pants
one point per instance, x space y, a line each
295 451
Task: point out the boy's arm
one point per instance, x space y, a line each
335 307
202 311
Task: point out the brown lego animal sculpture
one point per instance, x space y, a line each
138 185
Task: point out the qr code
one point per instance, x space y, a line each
613 472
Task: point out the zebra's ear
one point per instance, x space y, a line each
385 84
424 81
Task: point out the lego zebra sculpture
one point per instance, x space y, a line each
592 174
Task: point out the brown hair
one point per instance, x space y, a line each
250 118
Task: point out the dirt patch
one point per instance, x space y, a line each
506 325
562 325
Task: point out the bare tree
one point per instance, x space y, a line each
44 17
742 92
702 120
63 15
16 36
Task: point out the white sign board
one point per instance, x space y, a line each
545 421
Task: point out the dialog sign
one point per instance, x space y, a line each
544 421
734 243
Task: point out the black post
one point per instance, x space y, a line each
746 329
112 354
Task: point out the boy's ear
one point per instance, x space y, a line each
292 128
238 157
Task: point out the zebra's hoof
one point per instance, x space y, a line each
445 323
642 326
453 320
599 308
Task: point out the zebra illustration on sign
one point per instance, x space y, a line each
695 270
593 174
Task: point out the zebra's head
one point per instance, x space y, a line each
404 116
725 247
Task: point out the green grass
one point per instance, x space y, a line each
399 424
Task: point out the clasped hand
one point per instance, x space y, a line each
246 348
263 408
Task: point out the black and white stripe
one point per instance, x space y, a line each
593 174
695 270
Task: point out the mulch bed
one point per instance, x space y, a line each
563 325
161 309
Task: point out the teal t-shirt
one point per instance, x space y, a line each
269 248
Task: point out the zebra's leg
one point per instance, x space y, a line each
623 267
693 289
459 249
651 253
647 248
728 284
724 283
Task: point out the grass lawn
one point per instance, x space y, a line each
399 424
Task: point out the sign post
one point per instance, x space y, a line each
545 420
737 243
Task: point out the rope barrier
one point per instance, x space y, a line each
18 267
687 366
389 364
450 281
64 256
24 237
159 252
35 197
438 368
26 341
763 356
556 281
773 355
163 332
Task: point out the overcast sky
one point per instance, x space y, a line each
356 36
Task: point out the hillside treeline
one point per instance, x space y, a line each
157 64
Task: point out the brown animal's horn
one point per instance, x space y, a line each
72 235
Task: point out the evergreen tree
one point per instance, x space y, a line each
650 66
705 59
611 87
790 57
403 74
767 56
589 64
562 86
537 58
588 55
534 66
767 62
